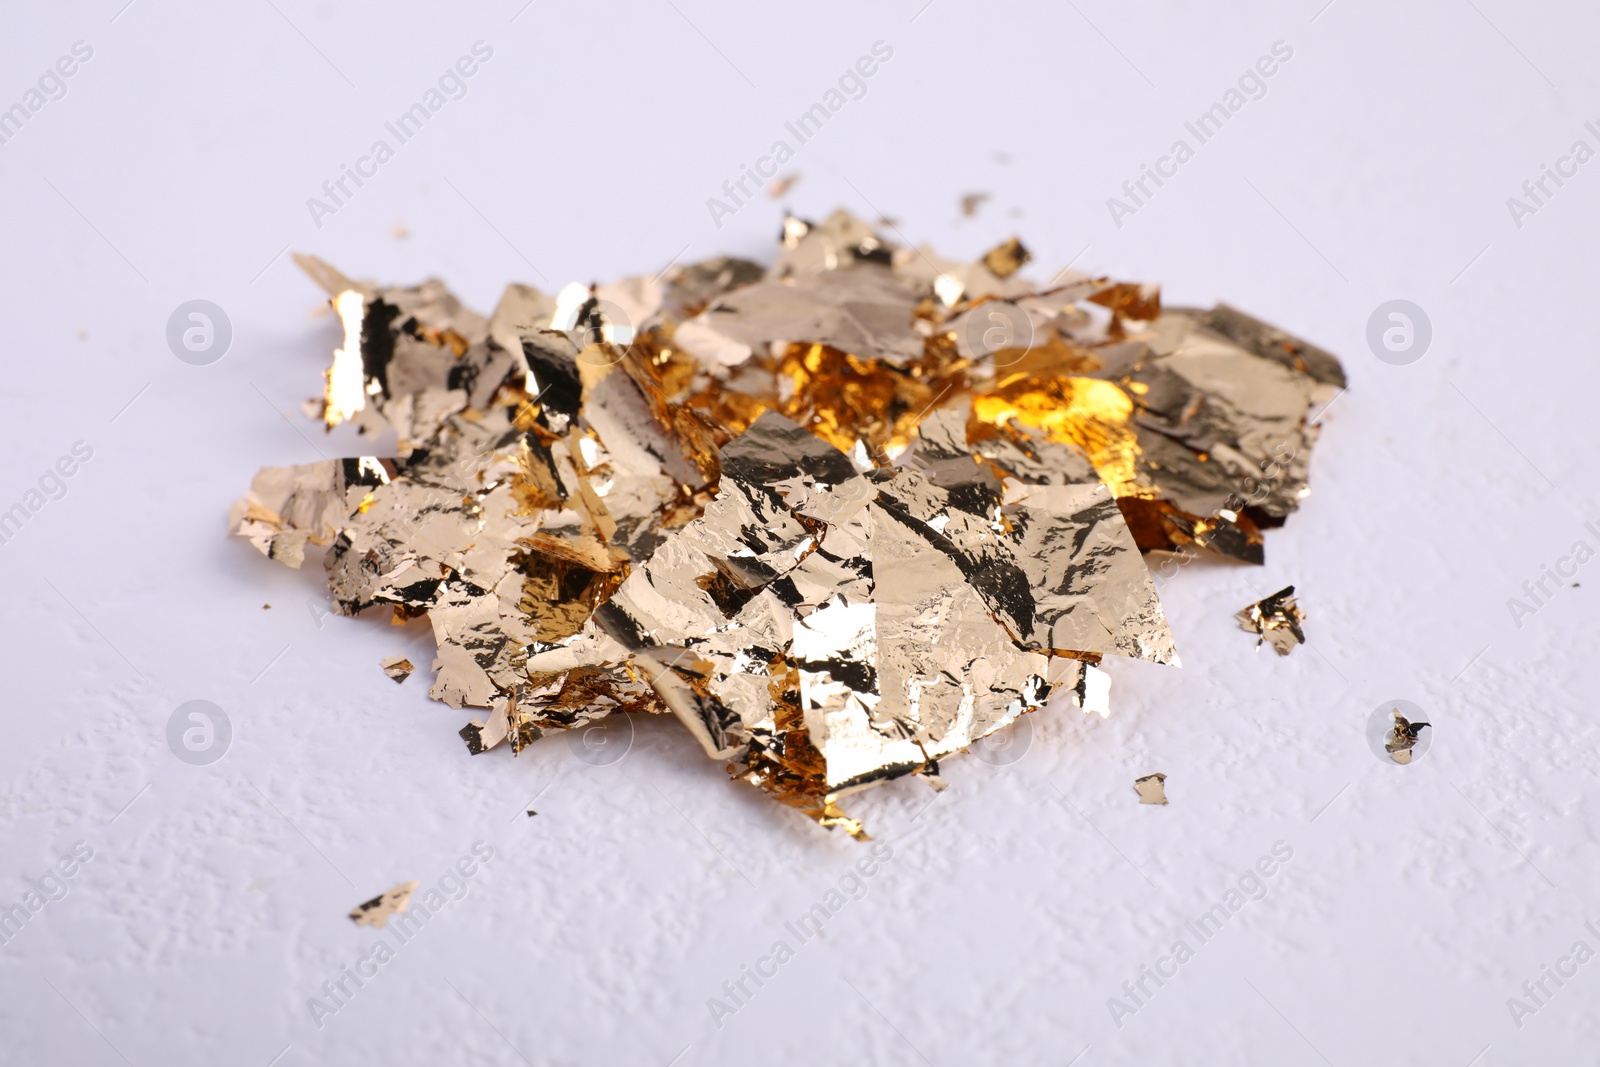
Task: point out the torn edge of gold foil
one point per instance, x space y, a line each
1151 788
397 667
381 908
842 515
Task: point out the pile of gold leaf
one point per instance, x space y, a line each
841 517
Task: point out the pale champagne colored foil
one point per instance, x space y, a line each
827 627
1152 788
381 908
841 517
528 483
288 508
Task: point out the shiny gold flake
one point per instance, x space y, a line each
826 627
381 908
840 516
1276 620
1005 260
397 667
1402 737
1198 421
1152 788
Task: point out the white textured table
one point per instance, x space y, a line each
175 163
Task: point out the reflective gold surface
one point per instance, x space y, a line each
841 517
1276 621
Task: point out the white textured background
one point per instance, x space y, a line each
1377 166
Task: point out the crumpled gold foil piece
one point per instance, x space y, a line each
1006 259
826 626
1276 620
841 517
1402 737
1198 421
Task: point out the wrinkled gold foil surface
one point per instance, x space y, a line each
841 516
1276 621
